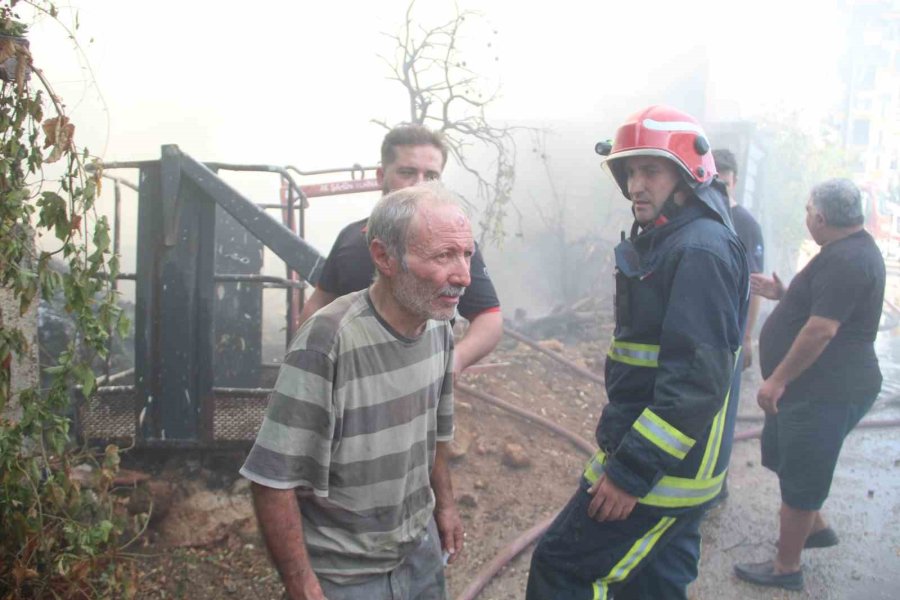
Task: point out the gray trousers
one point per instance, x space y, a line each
419 577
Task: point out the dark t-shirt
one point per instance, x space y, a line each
349 268
844 282
749 232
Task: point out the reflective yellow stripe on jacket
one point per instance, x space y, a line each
662 435
670 491
631 353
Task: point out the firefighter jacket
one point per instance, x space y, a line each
682 291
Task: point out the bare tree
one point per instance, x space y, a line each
446 95
554 220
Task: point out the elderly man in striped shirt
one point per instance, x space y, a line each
350 472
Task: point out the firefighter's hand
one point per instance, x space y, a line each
770 392
610 502
767 287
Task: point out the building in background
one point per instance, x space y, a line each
871 125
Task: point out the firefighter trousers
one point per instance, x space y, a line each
646 556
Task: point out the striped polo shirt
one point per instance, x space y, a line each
352 425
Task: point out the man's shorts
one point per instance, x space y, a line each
419 577
802 442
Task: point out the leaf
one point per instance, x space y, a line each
85 377
21 573
59 134
53 213
123 326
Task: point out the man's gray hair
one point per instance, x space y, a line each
839 202
390 219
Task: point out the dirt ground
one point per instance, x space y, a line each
206 545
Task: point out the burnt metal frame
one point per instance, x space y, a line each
174 350
168 245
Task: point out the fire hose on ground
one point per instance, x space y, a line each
523 541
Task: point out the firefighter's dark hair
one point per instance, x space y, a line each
410 134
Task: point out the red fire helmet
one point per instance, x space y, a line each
661 131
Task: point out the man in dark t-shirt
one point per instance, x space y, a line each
750 234
817 357
410 154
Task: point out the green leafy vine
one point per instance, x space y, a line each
61 527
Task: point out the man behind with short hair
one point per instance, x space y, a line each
411 154
750 233
632 529
817 355
358 425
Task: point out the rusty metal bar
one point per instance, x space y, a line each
120 180
283 171
336 188
302 257
110 379
352 170
281 281
265 169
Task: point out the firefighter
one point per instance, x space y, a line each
632 528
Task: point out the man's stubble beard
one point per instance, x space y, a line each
416 296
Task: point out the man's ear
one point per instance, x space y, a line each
379 176
383 259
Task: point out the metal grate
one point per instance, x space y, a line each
109 414
237 418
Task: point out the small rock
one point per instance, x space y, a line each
482 447
467 500
462 406
750 463
515 456
479 484
871 493
897 463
